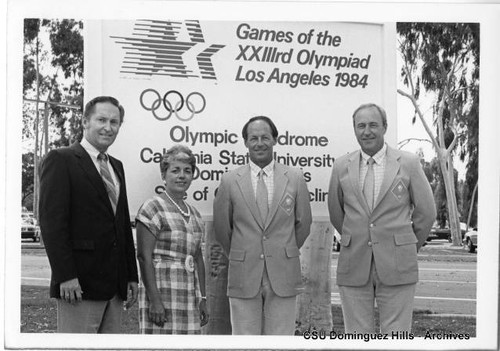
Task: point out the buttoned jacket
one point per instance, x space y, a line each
249 243
82 235
393 232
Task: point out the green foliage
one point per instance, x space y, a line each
65 55
28 171
67 46
31 29
52 74
431 51
29 72
435 177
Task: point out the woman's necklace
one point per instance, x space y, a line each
184 213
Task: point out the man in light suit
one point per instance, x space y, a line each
382 205
85 225
262 216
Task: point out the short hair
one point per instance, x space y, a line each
90 106
274 130
173 154
380 110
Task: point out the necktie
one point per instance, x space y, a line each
262 197
369 185
102 159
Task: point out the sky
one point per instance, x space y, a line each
407 129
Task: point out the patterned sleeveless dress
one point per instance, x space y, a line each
176 238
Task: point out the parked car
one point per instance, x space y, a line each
30 228
26 214
439 233
470 240
444 233
336 240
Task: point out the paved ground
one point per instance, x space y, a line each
447 282
443 288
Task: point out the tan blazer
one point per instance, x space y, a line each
249 244
398 226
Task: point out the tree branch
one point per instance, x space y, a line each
421 116
407 141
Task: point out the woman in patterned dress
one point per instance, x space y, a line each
172 296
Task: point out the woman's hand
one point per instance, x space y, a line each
157 313
203 312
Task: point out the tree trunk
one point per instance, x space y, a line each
36 185
46 127
471 206
314 305
216 265
447 169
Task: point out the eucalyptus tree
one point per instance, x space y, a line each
442 59
52 84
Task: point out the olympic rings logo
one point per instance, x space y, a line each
172 106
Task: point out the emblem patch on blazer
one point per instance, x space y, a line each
287 204
399 190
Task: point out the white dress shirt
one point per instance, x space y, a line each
93 152
378 169
268 179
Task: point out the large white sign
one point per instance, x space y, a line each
197 83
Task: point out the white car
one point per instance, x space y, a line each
470 240
30 228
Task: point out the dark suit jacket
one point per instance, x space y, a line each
396 228
83 238
249 243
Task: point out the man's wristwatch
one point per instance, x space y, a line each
204 298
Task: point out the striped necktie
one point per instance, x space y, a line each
369 185
102 159
262 197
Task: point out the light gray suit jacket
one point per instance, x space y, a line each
398 226
249 243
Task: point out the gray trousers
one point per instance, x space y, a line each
87 316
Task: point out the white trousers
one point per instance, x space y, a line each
264 314
395 305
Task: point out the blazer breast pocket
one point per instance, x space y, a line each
400 190
287 203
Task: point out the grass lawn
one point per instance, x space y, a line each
38 315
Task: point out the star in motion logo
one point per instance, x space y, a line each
155 49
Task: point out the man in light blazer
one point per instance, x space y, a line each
85 225
382 205
262 216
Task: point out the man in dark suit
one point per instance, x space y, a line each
262 216
85 225
382 205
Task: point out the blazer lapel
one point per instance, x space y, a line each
353 170
245 183
91 172
391 170
280 184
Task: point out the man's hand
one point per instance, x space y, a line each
71 291
133 289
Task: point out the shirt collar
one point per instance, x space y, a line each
256 169
378 157
91 150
